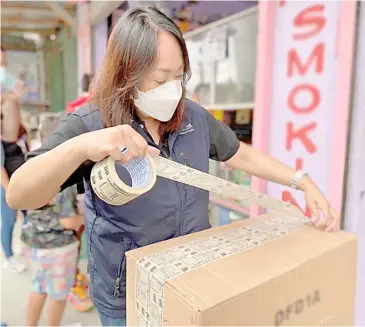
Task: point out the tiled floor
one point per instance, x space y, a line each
15 289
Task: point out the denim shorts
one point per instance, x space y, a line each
110 321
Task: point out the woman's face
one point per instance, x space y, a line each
169 65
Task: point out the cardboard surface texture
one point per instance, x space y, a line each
302 277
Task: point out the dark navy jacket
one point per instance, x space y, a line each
169 210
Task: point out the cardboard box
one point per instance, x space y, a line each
271 271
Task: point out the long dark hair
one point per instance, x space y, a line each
131 53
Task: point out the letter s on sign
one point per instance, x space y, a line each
312 19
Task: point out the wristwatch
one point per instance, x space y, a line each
297 178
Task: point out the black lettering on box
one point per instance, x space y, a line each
279 318
312 298
299 306
288 311
296 308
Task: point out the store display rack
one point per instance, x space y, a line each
223 61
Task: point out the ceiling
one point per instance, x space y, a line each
210 10
19 18
204 10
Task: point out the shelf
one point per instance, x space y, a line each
34 104
229 205
230 106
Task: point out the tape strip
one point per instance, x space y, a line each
108 186
153 271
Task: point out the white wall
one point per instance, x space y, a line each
355 189
99 43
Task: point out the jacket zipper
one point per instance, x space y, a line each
185 159
152 143
119 278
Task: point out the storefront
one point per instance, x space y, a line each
223 62
282 75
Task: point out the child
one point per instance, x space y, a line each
79 295
52 248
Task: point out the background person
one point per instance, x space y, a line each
51 247
12 158
79 295
84 97
139 105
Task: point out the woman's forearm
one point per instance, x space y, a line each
39 180
263 166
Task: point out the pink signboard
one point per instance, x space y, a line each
302 76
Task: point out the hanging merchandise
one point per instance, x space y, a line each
215 44
243 116
218 114
223 65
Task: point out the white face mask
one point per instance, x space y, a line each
160 103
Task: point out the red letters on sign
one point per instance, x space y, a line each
307 24
316 58
286 196
312 19
314 94
301 135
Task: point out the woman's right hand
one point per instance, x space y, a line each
96 146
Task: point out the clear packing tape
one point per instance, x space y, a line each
110 188
152 272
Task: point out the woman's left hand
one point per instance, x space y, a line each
16 93
322 212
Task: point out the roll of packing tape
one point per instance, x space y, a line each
108 186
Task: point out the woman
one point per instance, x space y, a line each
138 106
11 158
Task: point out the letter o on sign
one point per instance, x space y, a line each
312 91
